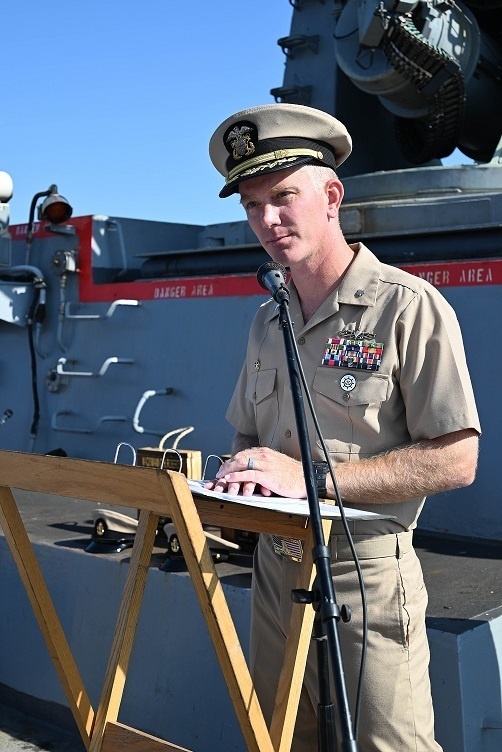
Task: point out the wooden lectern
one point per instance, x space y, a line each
156 493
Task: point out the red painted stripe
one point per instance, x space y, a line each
443 274
469 273
171 289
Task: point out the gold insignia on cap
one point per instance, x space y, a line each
240 141
268 166
271 160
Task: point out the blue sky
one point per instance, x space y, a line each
115 101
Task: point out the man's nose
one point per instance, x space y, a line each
270 215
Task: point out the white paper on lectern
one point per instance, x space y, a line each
286 505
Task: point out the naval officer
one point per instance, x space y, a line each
385 365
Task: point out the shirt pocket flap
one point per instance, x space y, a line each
370 387
262 386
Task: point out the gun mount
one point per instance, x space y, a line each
427 75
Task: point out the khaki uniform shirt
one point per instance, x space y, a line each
420 388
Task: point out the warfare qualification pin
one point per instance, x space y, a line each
348 382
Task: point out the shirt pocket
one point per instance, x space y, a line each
262 392
351 421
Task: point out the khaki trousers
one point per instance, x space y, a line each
396 706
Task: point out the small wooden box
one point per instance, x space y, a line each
191 460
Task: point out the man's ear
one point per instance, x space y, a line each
334 190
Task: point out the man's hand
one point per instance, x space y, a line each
260 470
418 469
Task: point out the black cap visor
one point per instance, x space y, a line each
273 155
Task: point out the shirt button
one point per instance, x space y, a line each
301 341
287 434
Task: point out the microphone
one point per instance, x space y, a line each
270 276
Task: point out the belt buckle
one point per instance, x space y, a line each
289 548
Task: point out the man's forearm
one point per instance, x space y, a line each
420 469
409 472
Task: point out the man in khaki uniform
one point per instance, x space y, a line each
384 363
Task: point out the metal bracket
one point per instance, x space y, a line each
121 444
297 4
289 44
494 724
144 397
300 94
108 362
103 419
95 316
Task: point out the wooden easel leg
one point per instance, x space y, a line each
295 655
215 609
116 672
45 613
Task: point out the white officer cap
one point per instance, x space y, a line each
273 137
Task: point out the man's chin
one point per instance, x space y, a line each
280 251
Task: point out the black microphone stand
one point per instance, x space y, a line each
323 599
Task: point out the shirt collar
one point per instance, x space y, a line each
360 284
358 287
